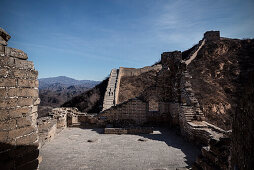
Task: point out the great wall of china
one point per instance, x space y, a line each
21 134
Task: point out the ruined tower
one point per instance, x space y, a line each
18 108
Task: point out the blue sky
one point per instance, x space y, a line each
85 39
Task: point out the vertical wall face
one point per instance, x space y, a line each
18 109
134 111
243 127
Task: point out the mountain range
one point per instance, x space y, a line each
65 81
55 91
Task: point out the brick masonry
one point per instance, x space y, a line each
173 96
18 108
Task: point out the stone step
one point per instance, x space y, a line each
110 96
108 102
189 116
111 86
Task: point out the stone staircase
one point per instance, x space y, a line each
191 114
190 105
109 97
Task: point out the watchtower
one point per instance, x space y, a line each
212 35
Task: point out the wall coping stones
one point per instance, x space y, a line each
4 34
16 53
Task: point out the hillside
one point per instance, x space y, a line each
215 81
133 86
55 91
216 77
56 94
90 101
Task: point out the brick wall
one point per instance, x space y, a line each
18 109
134 110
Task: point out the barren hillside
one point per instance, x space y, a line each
133 86
215 73
90 101
215 81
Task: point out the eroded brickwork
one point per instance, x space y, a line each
18 109
133 111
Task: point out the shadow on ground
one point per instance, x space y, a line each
172 138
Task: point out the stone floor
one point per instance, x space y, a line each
76 148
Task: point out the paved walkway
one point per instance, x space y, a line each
76 148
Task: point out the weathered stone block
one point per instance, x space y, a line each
7 82
9 102
13 52
4 34
3 42
3 93
25 101
12 92
7 61
7 125
24 121
4 114
19 112
27 92
24 64
27 83
25 74
20 73
25 140
21 132
3 72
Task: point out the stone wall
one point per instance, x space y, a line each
18 108
47 127
185 112
215 155
61 118
133 111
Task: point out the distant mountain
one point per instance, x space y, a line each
65 81
55 91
